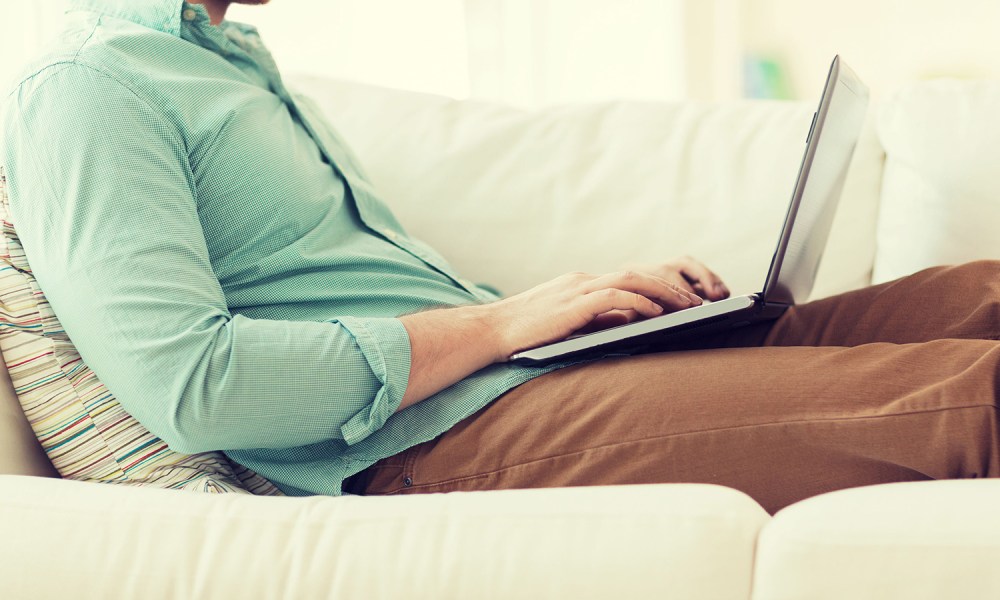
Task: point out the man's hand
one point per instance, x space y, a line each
685 272
566 305
448 345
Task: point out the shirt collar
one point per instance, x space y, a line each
161 15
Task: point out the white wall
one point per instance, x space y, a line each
416 45
24 27
713 51
524 52
888 42
532 52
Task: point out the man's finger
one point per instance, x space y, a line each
654 288
675 277
701 276
601 301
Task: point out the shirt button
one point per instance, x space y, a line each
390 234
189 14
466 283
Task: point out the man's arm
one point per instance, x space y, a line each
103 198
450 344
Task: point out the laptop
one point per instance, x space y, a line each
833 134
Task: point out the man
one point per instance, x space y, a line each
223 264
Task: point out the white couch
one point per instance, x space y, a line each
513 198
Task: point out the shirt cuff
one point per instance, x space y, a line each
385 344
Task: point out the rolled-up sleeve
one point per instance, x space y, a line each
385 345
104 199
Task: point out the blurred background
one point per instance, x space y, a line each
533 53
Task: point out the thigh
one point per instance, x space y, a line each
959 302
778 423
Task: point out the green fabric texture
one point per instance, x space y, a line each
216 252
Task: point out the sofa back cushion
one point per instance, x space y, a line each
86 434
513 198
941 194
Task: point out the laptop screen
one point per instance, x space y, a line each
829 147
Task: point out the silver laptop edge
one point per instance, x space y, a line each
818 187
830 144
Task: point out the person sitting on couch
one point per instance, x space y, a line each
222 262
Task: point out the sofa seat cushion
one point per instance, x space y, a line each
82 428
929 539
640 541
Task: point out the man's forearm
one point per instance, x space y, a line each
450 344
446 346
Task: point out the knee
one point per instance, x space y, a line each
970 295
982 274
974 277
988 268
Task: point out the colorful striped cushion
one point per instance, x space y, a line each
86 434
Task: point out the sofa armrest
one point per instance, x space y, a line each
101 541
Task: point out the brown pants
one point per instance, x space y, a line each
896 382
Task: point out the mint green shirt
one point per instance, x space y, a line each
216 252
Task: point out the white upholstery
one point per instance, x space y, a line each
940 202
513 198
926 540
629 542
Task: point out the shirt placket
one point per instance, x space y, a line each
358 186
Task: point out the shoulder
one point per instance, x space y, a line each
95 58
71 113
93 77
73 99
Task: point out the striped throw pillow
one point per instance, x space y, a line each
86 434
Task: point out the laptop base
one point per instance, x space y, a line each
669 338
